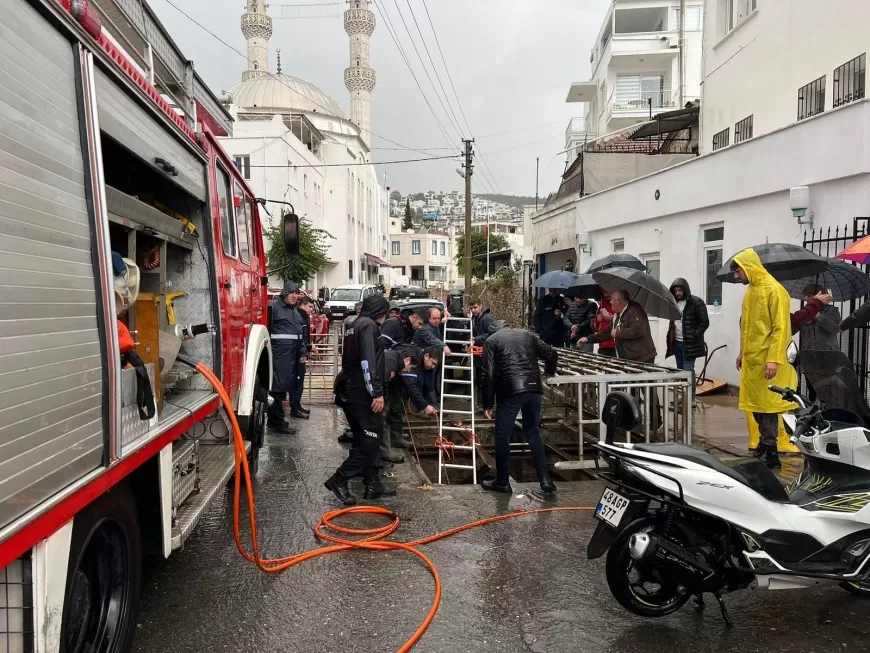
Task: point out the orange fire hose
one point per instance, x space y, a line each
373 538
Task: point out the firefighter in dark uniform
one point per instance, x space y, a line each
287 328
359 390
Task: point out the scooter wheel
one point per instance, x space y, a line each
861 590
638 586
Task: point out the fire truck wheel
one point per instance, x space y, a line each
254 426
104 575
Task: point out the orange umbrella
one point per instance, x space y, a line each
859 251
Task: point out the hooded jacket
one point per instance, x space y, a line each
481 326
695 323
362 356
765 332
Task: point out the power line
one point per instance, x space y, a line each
524 129
422 63
347 165
394 35
275 77
435 68
516 147
487 175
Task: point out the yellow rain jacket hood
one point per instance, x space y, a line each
765 332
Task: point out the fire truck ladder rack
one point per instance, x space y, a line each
457 410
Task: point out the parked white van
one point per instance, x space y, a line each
343 298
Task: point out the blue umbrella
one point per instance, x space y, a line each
557 279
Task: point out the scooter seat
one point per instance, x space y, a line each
753 473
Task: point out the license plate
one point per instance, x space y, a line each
611 507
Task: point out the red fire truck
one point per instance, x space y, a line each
115 206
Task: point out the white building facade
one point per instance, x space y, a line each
424 256
686 220
635 68
296 145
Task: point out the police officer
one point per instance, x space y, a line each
549 321
287 328
362 399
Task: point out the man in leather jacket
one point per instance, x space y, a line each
360 385
512 380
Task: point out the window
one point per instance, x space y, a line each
249 218
305 185
743 130
243 164
443 248
637 91
721 139
349 272
712 243
242 224
693 18
396 248
434 248
415 247
653 264
811 99
228 225
618 246
849 81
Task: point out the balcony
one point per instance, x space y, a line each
643 105
652 44
577 131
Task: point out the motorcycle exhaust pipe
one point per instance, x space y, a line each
638 544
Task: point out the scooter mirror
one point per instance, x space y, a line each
291 234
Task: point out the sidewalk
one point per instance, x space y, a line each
720 427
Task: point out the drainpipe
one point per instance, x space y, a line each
682 54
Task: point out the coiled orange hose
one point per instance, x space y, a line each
372 538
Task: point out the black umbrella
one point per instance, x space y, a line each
585 287
784 261
557 279
654 297
617 261
844 281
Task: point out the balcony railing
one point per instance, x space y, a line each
642 103
576 127
645 42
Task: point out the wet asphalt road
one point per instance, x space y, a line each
519 585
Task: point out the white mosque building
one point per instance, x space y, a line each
286 129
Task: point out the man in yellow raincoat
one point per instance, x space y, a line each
765 332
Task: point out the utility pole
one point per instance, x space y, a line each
469 156
682 39
537 170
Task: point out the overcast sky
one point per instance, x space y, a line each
511 61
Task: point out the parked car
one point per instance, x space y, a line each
343 298
408 292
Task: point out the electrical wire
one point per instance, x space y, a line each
524 129
348 165
394 35
435 69
275 77
372 538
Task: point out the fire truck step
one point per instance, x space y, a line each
216 466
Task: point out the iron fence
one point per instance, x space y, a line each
855 343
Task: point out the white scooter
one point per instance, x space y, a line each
680 523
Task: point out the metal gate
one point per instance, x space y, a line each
854 343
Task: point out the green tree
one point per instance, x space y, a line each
312 252
497 243
409 216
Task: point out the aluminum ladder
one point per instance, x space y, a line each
460 327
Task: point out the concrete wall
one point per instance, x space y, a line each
744 188
758 67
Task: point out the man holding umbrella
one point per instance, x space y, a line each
630 332
549 320
765 333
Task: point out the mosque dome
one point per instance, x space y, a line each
281 93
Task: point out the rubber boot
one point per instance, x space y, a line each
338 486
394 458
376 490
769 457
346 437
283 427
494 486
547 485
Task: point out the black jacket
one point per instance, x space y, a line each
582 317
392 332
428 336
695 323
550 327
403 381
482 323
510 364
362 359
